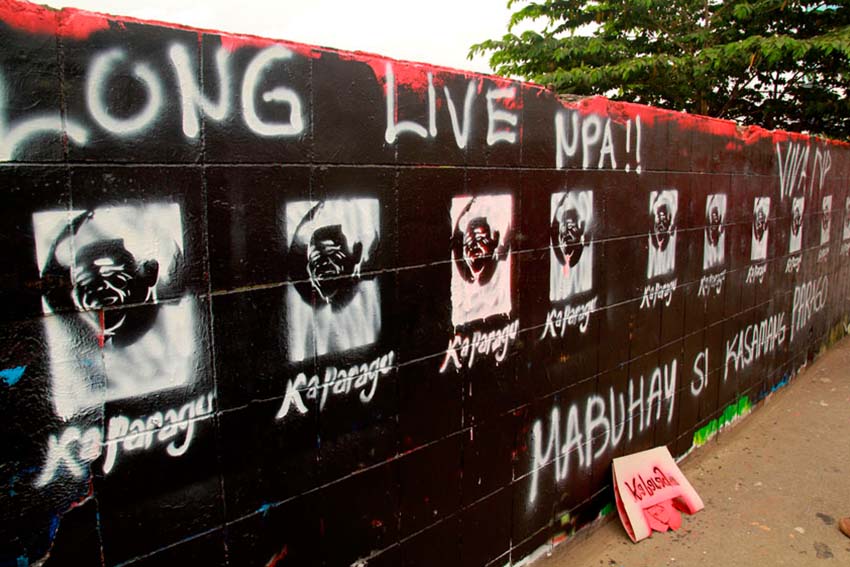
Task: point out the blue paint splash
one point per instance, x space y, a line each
264 509
54 526
11 375
781 384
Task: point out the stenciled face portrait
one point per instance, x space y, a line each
331 307
715 226
796 220
663 207
119 271
480 244
662 227
847 219
480 254
570 242
571 261
826 219
331 263
106 276
760 224
761 212
714 243
795 241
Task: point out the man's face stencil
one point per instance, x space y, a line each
479 246
570 233
330 262
715 227
827 218
106 276
662 226
760 225
796 221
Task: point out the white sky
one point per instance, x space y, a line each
431 31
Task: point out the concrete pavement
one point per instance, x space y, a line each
774 486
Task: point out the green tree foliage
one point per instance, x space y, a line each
776 63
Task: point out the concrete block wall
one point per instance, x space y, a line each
272 304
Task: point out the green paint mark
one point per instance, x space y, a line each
607 509
565 519
837 332
732 412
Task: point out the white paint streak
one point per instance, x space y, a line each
394 128
602 427
595 134
191 98
69 452
432 106
15 136
700 380
253 74
754 341
607 147
496 115
809 299
461 132
565 145
97 84
359 379
591 130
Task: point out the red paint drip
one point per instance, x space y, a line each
77 24
233 42
83 499
741 136
41 20
619 112
713 126
277 557
410 76
101 336
378 63
413 77
503 83
514 103
29 17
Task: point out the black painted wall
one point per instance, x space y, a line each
266 303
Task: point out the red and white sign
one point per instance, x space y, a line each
651 491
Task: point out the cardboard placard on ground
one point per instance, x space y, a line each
651 491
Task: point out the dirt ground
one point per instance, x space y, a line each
774 486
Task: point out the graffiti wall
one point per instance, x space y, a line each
270 304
